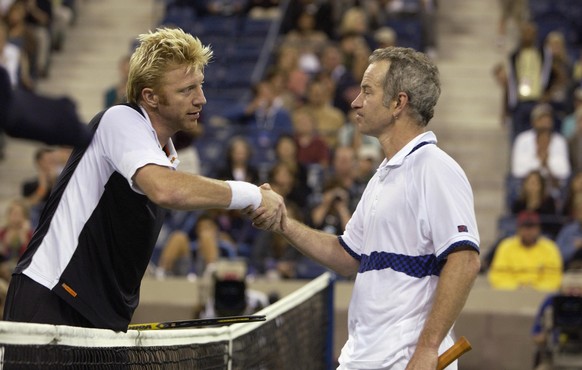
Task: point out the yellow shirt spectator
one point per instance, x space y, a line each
527 259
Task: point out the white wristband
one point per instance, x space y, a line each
244 194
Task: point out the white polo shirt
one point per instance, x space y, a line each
416 209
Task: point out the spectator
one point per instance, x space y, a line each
560 83
500 75
355 21
279 80
356 52
265 119
63 14
345 86
39 16
526 259
308 39
542 149
384 37
573 191
344 172
284 180
311 148
238 166
329 118
533 196
296 79
22 36
14 61
333 212
528 71
14 237
322 11
513 13
37 190
286 152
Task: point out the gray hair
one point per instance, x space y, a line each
413 73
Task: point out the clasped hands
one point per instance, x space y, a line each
271 214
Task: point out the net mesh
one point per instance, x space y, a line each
296 335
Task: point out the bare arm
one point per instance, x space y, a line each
184 191
455 283
322 247
180 190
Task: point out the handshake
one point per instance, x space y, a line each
271 214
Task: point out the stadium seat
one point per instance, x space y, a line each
217 25
555 20
408 31
256 27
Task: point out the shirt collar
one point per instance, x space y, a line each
169 149
399 157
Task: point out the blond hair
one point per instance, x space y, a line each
160 51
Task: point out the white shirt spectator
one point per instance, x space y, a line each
525 158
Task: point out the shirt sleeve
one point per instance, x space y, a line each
129 142
449 205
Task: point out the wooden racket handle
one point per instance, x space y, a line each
461 346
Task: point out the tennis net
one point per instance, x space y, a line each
297 334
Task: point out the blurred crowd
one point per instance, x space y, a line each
539 242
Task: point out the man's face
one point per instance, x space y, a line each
529 234
372 116
543 123
181 98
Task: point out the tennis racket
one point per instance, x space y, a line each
226 320
457 350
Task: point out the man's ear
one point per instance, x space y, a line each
401 102
149 97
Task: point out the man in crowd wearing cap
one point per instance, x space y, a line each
527 259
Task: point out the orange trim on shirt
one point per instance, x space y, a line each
69 290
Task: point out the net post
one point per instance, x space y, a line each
331 312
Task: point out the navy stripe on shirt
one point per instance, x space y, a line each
415 266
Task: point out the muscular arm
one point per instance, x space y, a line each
180 190
455 282
184 191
